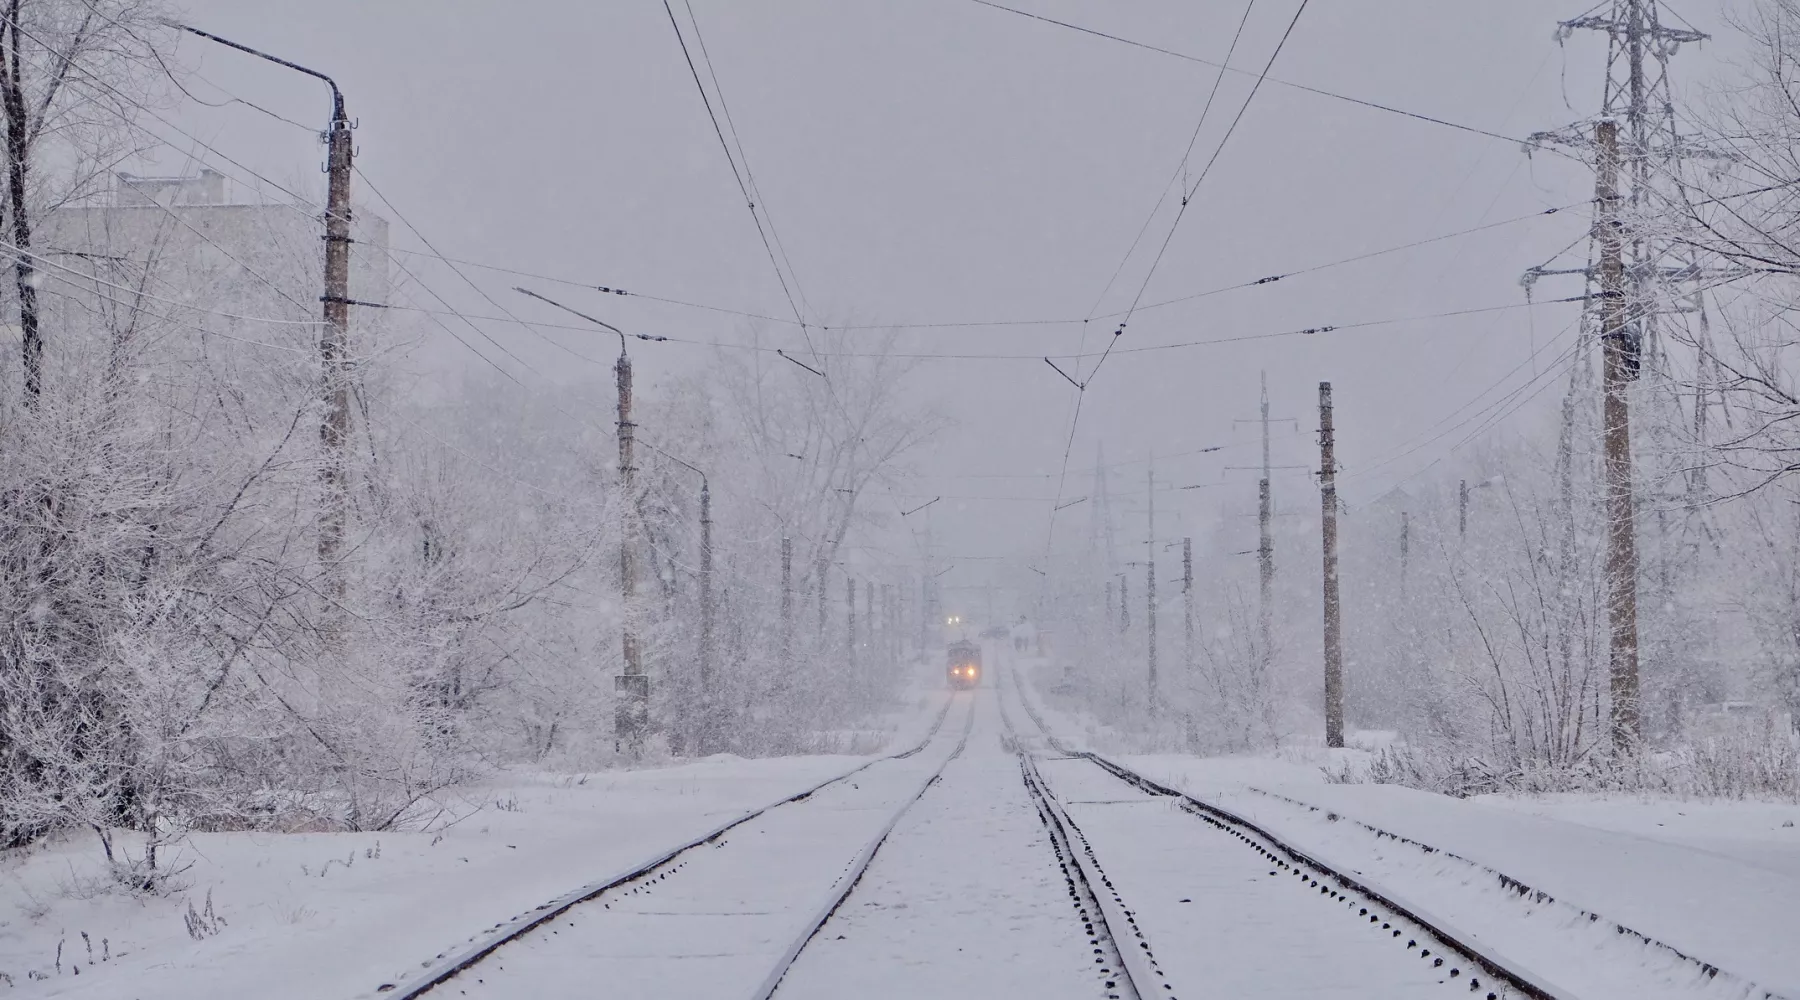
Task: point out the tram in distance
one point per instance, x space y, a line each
963 663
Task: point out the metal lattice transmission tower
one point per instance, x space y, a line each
1663 275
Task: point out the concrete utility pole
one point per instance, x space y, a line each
1265 545
1405 545
334 341
1463 489
869 614
1150 595
787 599
334 344
924 610
850 618
707 730
631 719
1617 371
1265 539
1124 604
823 567
632 714
708 700
1187 599
1334 653
890 624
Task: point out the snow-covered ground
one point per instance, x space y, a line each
329 914
1760 834
312 915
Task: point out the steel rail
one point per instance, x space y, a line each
1322 875
1104 914
447 965
855 872
1525 891
1101 908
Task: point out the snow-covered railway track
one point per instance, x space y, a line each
984 889
1097 900
1227 906
461 964
1645 966
854 873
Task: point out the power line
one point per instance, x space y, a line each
1271 279
1309 331
1180 168
1233 69
466 280
1187 196
970 324
743 157
606 289
743 187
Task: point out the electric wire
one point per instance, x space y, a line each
743 187
743 157
1275 80
1180 172
1309 331
468 281
1271 279
1188 194
1186 199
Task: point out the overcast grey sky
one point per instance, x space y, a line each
938 160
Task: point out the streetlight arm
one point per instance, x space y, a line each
337 96
687 465
590 319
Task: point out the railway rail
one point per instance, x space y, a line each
1273 918
449 965
1453 957
1129 971
858 867
992 890
1735 984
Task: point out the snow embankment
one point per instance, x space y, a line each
1734 908
304 916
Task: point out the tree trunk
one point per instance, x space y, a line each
18 149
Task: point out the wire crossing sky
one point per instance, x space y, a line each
973 173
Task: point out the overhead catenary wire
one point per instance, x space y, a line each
1180 173
1188 193
743 157
738 175
1309 331
1275 80
1186 199
969 324
395 210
